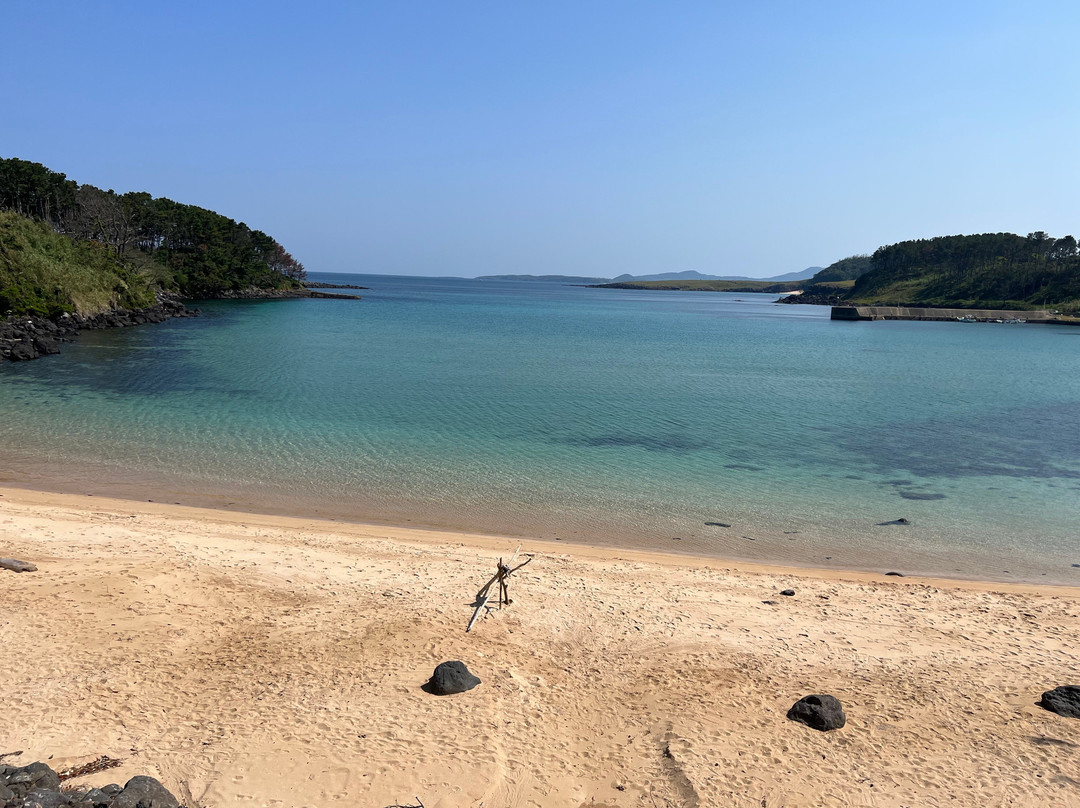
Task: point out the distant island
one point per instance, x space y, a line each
987 271
688 275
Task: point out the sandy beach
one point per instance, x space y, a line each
262 660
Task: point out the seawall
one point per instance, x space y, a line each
908 313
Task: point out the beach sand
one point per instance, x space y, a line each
259 660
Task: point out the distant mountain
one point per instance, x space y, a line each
801 275
688 275
543 278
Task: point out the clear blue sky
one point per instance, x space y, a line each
465 138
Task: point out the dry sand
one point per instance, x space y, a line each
264 661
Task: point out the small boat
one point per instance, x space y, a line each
967 319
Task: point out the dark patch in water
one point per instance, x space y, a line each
725 524
1033 442
743 467
652 443
920 495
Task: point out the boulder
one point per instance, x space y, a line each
46 345
144 792
15 565
788 593
819 712
451 677
46 798
23 779
23 352
1064 700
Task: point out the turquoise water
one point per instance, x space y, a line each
592 415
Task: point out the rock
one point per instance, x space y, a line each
895 574
24 779
144 792
22 352
451 677
900 521
44 798
6 794
819 712
15 565
46 345
718 524
1064 700
100 798
788 592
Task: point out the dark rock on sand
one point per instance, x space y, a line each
451 677
895 574
1064 700
21 780
788 592
144 792
819 712
38 786
15 565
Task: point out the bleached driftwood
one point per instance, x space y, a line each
502 572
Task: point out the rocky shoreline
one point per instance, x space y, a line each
255 293
317 285
813 299
38 786
25 337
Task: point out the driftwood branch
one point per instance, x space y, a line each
101 764
502 573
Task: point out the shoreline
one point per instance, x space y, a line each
280 661
422 535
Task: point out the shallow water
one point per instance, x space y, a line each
596 415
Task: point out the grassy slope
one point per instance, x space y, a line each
47 274
989 289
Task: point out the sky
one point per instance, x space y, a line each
585 138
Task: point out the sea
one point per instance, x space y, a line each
725 425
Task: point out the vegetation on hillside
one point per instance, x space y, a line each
992 270
989 271
71 247
846 269
47 274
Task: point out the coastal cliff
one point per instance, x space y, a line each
75 257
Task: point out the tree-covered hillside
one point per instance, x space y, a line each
846 269
71 247
993 270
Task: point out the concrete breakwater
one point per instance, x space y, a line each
908 313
